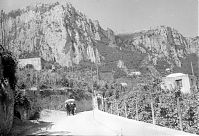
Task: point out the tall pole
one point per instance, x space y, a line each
179 113
198 57
198 51
36 80
93 98
136 105
125 110
192 68
117 108
111 108
136 108
152 109
97 72
153 115
102 98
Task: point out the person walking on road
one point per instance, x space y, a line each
68 109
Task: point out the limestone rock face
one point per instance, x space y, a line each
111 37
55 32
161 42
59 33
193 45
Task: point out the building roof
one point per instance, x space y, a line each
123 84
125 81
33 89
175 75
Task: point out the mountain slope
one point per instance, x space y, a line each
59 33
165 48
54 32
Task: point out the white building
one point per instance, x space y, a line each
179 80
136 73
36 62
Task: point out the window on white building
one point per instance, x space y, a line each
191 82
179 83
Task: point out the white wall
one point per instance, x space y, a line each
170 83
36 62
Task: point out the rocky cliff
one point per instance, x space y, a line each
55 32
163 46
59 33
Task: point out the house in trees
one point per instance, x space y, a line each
35 62
125 83
181 81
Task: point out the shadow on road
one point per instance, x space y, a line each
32 127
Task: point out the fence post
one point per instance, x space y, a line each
125 110
105 106
153 114
117 108
179 113
111 108
136 108
102 104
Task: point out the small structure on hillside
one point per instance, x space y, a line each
179 80
125 81
36 62
133 72
124 84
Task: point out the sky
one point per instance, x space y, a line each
128 16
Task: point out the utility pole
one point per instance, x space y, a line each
153 115
92 84
198 61
97 71
93 97
36 80
111 108
117 108
125 109
179 113
152 109
192 69
136 109
136 105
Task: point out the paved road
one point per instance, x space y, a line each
99 123
80 124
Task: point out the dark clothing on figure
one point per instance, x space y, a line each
70 108
73 108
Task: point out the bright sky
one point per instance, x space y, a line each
127 16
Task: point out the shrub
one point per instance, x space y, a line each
22 100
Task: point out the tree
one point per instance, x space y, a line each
8 82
